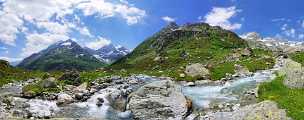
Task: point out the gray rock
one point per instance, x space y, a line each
71 77
294 73
154 101
49 83
266 110
190 84
64 98
197 70
295 79
241 70
100 102
81 88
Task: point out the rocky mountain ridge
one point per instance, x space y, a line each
60 56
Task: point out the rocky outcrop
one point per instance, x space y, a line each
49 83
158 101
241 70
266 110
197 70
294 73
71 77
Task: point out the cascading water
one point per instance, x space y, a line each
203 96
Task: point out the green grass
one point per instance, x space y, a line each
289 99
212 49
298 57
220 70
36 89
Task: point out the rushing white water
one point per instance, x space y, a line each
89 109
42 108
202 96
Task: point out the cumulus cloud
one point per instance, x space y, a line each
100 42
302 24
105 9
290 32
220 16
168 19
10 59
10 27
39 12
36 42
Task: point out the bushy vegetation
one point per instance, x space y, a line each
36 89
289 99
9 74
298 57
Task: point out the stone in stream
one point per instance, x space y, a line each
266 110
158 100
64 98
197 70
100 101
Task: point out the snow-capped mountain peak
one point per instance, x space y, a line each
109 53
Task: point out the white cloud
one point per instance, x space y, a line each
220 17
10 24
11 59
302 24
104 9
284 27
39 12
290 32
54 27
132 14
98 43
37 42
168 19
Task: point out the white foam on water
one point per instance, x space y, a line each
202 96
42 108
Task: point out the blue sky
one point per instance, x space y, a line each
30 26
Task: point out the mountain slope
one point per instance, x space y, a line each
9 73
109 53
169 51
61 56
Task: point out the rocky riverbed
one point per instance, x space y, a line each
145 97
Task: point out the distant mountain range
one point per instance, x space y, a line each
109 53
70 55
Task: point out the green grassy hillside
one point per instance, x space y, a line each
169 51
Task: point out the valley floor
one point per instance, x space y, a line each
128 98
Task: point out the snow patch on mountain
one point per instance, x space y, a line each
109 53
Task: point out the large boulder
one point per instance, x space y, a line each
266 110
71 77
197 70
160 100
64 98
294 73
295 79
241 70
49 83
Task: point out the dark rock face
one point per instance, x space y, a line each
71 77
